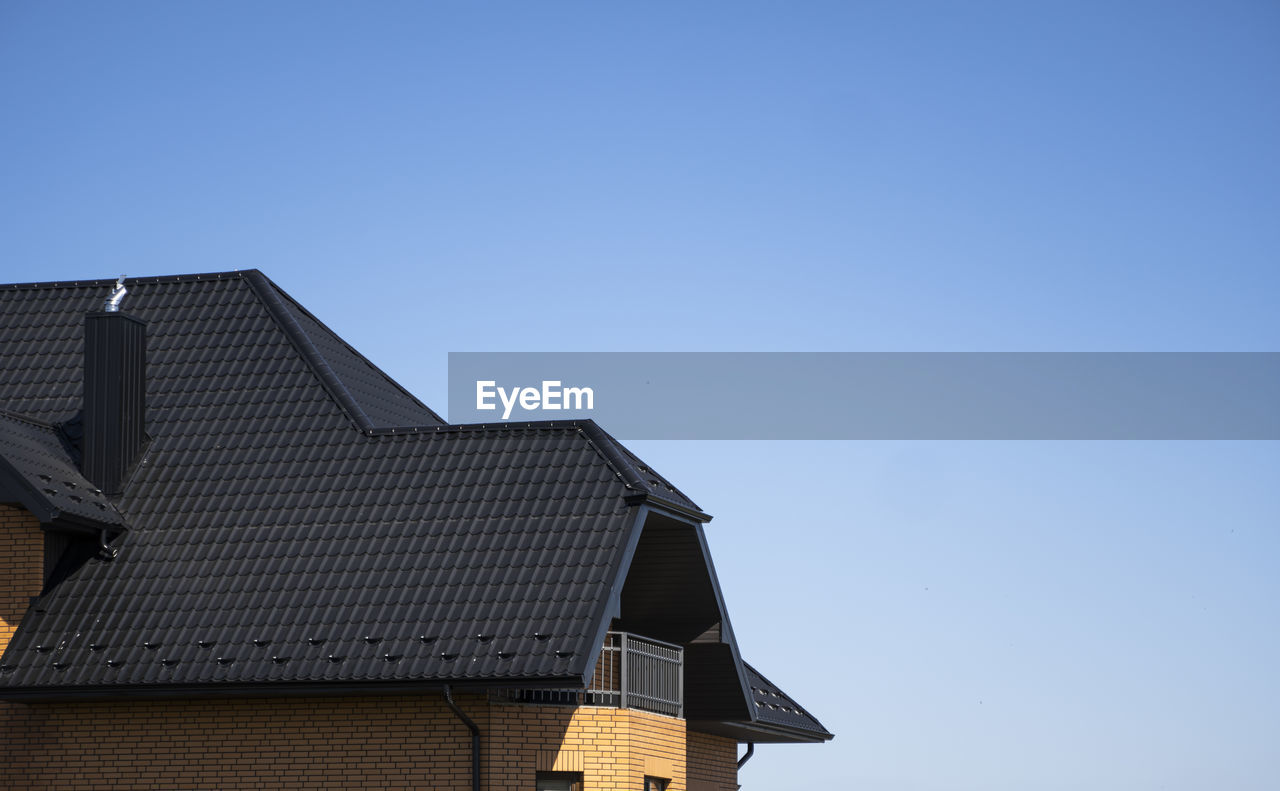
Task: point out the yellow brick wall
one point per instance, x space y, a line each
613 748
400 742
403 742
712 762
21 567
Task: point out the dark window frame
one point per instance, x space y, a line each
574 779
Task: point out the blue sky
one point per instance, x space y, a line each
436 177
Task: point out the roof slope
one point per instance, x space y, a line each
271 542
37 470
775 707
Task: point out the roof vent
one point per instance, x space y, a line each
113 301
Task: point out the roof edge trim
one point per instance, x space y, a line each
659 503
758 732
611 604
95 283
609 448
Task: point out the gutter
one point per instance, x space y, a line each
475 738
751 750
32 694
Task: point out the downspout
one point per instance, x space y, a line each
751 750
475 738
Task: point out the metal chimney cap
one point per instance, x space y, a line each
117 296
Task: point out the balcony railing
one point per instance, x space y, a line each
632 673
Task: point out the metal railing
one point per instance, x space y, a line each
632 672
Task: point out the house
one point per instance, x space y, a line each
238 555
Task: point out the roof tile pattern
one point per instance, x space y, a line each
272 541
775 707
34 452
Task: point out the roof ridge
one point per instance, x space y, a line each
614 454
285 295
226 275
269 296
607 447
459 427
617 455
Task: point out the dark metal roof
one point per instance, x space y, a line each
269 534
775 707
37 471
300 522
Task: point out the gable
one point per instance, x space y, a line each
671 593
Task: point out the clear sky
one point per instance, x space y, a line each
896 176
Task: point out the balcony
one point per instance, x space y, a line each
632 672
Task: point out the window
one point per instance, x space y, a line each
655 784
559 781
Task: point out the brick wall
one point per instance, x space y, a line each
21 567
712 762
613 748
401 742
325 743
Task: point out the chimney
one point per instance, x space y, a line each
115 348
